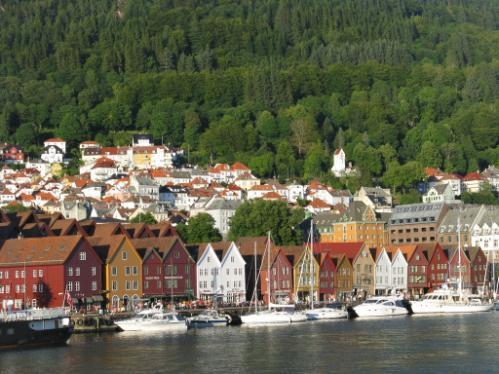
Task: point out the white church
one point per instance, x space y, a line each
339 168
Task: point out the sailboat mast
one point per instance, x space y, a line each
255 291
311 269
268 270
460 286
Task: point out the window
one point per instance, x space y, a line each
127 285
40 287
127 270
146 285
208 259
227 271
114 271
77 286
34 288
135 284
187 269
35 273
124 255
94 286
231 258
17 274
134 270
69 286
1 274
77 272
93 271
177 254
83 256
70 271
40 273
114 286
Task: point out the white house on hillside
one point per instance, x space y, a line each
339 163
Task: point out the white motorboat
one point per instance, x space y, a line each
381 306
277 314
327 312
448 301
208 318
153 321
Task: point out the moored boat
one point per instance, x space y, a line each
208 318
381 306
448 301
34 327
153 320
332 311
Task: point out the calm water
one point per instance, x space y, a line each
467 343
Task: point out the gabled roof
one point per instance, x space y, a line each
162 245
350 250
247 245
106 246
108 229
137 230
51 250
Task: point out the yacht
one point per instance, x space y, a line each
153 320
381 306
330 311
34 327
449 301
208 318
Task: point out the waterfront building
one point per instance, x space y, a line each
467 216
438 269
384 282
208 273
152 272
416 223
178 272
122 273
344 276
400 257
327 277
232 275
485 232
281 277
417 272
252 250
359 223
36 272
305 271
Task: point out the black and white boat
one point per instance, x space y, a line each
34 327
208 318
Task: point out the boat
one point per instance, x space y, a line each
326 312
329 311
381 306
34 327
275 313
207 318
153 321
452 299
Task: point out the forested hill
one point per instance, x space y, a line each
401 84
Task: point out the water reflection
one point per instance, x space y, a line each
436 344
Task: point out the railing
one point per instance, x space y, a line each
33 314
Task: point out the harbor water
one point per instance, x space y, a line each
418 344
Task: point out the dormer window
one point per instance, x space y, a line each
83 256
124 255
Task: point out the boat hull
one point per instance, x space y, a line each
420 307
199 324
266 319
151 326
20 334
379 312
325 314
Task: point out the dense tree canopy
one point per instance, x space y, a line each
391 81
200 229
258 217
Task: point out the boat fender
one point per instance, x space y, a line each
407 305
352 314
79 322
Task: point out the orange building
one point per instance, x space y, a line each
358 224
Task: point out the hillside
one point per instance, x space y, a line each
400 84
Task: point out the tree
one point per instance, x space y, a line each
315 162
144 218
70 129
430 155
200 229
256 218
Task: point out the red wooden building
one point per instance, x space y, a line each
438 269
417 271
36 272
327 277
281 277
178 271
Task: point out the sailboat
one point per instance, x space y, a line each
448 300
327 312
275 313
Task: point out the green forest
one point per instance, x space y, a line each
399 84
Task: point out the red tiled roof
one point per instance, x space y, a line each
318 203
240 166
350 250
104 162
474 176
55 140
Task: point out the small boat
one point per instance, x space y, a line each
330 311
276 314
449 301
208 318
153 320
381 306
34 327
